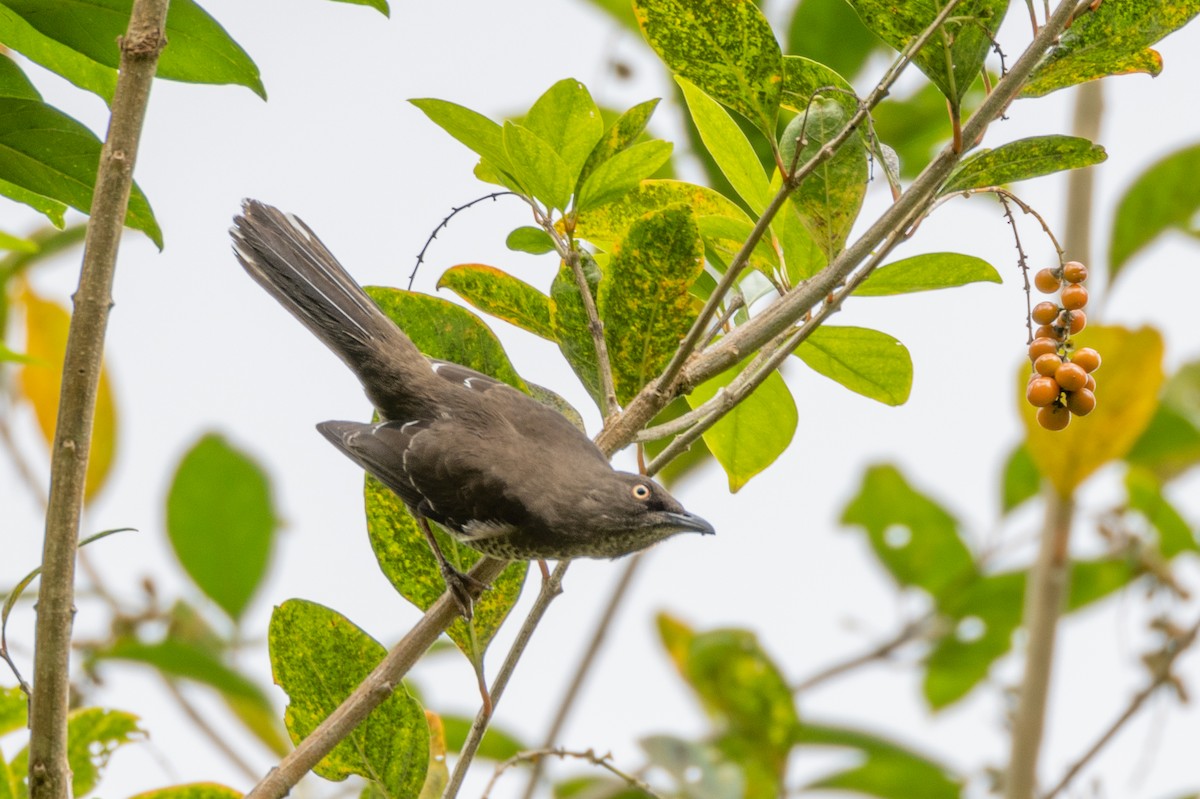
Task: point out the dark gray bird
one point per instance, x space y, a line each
501 472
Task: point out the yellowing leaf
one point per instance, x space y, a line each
46 324
1127 395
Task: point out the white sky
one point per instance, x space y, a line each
195 346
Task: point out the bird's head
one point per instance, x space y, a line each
636 512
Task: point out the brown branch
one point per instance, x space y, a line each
1161 675
882 651
49 772
372 692
604 762
551 588
1045 593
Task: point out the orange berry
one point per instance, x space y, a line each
1086 357
1046 331
1090 385
1077 322
1081 402
1044 313
1042 391
1070 376
1074 272
1042 346
1054 417
1046 281
1047 364
1074 297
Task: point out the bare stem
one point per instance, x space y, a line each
49 771
551 588
372 692
603 761
1044 597
882 651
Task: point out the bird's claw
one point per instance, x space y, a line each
463 588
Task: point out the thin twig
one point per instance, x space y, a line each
214 737
1160 676
1044 597
910 631
604 762
584 667
551 588
49 770
454 211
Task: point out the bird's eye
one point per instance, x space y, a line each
641 491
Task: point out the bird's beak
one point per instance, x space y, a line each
688 523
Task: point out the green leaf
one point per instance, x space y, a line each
935 270
220 502
726 49
622 173
621 134
532 240
727 235
865 361
477 132
13 82
45 152
1126 396
567 119
318 657
60 59
755 432
1022 480
1112 39
443 330
409 565
883 768
915 538
200 50
829 32
608 224
1146 497
686 461
954 56
496 745
728 146
644 299
1168 446
699 770
829 198
537 166
93 734
802 255
500 294
12 243
13 706
181 659
917 126
1164 197
194 790
1021 160
804 79
379 5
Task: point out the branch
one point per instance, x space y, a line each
604 762
1044 596
910 631
49 772
1161 675
551 588
376 688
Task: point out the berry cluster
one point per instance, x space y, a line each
1061 383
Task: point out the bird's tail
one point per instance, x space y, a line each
287 259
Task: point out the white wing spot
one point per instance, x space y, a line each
298 226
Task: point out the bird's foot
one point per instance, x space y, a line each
462 588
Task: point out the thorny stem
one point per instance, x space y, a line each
1044 597
49 770
551 588
604 762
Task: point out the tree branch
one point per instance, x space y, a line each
49 771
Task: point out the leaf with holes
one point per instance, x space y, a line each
915 538
1021 160
318 657
865 361
644 299
726 49
752 434
1111 39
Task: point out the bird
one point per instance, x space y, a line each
501 472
